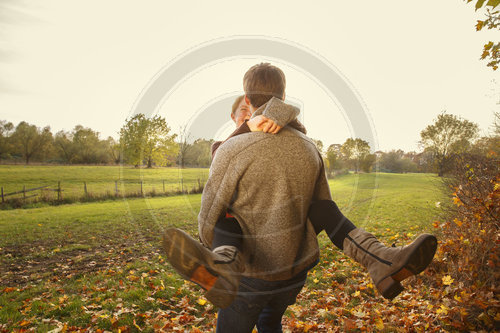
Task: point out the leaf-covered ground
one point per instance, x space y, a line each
99 267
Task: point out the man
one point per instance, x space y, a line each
268 182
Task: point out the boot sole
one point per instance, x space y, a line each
186 256
417 262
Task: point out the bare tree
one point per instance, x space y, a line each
184 145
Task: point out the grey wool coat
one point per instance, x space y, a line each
267 182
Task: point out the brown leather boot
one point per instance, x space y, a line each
218 272
388 266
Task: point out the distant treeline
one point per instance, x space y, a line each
142 141
148 142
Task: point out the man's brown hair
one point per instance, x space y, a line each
237 102
263 81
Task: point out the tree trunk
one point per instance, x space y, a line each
440 170
150 163
441 167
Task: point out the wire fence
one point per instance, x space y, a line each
95 191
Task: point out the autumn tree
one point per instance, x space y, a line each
319 145
496 124
367 162
5 144
356 153
63 143
397 161
82 145
489 144
199 153
31 141
148 140
448 135
333 160
89 149
491 50
114 150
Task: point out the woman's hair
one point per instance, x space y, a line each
237 102
263 81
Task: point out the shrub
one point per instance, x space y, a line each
468 256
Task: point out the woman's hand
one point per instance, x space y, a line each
264 124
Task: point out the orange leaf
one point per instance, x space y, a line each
9 289
349 324
479 25
24 323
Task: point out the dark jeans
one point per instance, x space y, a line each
260 302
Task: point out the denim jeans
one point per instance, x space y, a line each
260 302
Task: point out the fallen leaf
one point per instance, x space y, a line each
447 280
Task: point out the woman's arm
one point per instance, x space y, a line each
269 118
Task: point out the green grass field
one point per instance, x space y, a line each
100 179
100 265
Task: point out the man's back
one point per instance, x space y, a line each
273 179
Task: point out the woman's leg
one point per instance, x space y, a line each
227 232
387 266
326 215
218 271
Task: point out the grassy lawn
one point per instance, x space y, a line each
396 201
99 179
99 265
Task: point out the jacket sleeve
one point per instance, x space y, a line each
218 193
280 112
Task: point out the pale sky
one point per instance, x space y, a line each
64 63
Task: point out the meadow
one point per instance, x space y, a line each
99 265
98 180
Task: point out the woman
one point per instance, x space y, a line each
219 271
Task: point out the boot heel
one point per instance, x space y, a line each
389 288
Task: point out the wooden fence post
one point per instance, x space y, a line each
116 188
24 192
182 185
141 188
164 186
85 189
59 194
3 200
